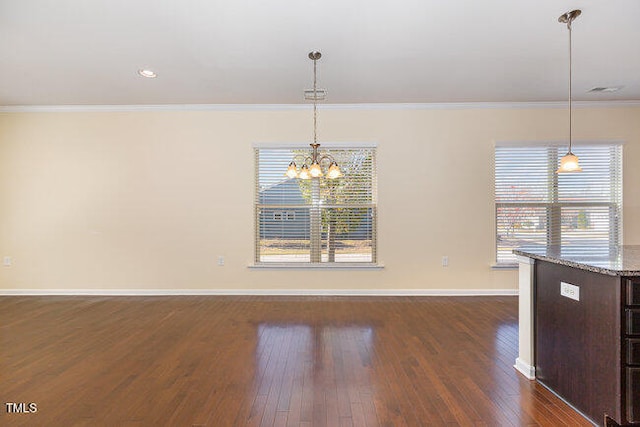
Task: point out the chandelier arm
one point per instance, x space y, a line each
301 157
328 157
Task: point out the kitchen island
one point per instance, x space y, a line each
579 327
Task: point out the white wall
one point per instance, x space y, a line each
149 200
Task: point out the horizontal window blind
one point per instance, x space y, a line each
537 206
315 220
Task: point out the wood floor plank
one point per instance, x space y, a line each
268 361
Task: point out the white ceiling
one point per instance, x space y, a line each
71 52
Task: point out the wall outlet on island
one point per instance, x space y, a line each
7 261
220 260
445 261
570 291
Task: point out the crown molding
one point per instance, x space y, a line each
294 107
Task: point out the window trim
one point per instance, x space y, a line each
316 266
303 145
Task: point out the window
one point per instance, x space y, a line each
537 206
317 220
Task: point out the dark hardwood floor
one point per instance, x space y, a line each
268 361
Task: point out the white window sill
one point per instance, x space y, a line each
504 266
316 266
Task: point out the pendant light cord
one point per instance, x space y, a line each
570 87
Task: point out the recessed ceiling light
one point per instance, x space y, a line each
605 89
147 73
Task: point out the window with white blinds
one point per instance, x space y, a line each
537 206
318 220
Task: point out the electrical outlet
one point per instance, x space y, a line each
7 261
445 261
220 260
570 291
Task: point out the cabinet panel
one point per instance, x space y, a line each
576 354
633 395
633 321
633 292
633 351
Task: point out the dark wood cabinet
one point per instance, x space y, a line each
587 343
577 347
632 334
633 321
633 292
633 351
633 395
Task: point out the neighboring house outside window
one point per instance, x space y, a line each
581 211
284 216
317 220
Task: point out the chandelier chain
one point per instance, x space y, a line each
315 102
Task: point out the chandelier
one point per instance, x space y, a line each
311 164
569 162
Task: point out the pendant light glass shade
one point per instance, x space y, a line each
569 163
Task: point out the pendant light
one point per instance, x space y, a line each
569 162
311 164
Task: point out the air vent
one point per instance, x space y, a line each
321 94
605 89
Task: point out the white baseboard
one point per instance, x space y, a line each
525 369
266 292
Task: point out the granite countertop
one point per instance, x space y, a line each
614 261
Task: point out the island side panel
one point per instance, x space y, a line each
524 363
577 344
